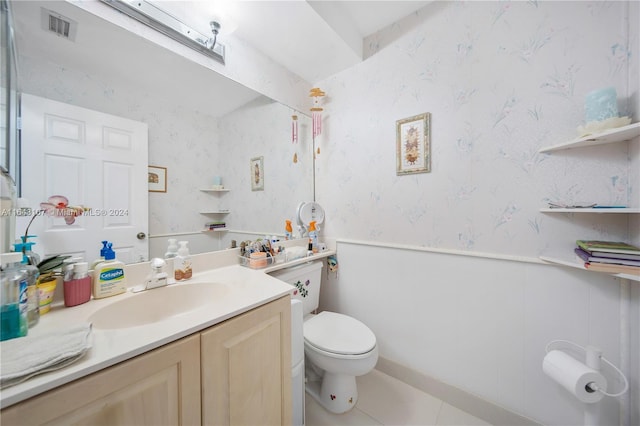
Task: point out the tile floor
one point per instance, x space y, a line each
384 400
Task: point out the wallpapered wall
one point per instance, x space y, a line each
501 80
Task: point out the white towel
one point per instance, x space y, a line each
28 356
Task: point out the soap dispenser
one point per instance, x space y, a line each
182 263
172 249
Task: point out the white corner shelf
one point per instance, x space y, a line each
591 210
214 230
573 263
619 134
214 190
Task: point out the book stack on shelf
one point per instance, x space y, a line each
213 226
609 256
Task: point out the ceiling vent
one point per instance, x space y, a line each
59 25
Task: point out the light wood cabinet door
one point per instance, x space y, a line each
161 387
246 368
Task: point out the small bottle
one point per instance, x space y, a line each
182 263
29 262
108 276
288 230
313 236
78 290
172 249
33 295
13 297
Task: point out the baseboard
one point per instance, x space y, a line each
452 395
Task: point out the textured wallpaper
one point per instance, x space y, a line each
501 80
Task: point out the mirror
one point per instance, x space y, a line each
8 94
201 125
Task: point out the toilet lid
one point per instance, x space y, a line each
339 334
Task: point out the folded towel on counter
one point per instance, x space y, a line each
25 357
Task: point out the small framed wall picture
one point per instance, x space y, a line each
257 173
157 179
413 145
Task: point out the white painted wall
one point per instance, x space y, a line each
501 80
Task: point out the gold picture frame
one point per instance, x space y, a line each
157 178
257 173
413 144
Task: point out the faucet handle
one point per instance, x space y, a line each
157 264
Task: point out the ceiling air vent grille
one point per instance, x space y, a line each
58 24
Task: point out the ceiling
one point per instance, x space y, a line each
313 39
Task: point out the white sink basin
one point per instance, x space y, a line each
157 305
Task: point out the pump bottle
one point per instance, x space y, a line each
13 297
108 276
182 263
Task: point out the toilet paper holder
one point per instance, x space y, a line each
593 356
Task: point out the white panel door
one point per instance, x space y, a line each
96 160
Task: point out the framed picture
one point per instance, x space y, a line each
413 145
257 173
157 179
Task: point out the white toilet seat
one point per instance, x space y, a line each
339 335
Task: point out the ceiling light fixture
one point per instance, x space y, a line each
156 18
215 29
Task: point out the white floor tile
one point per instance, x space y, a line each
384 400
452 416
316 415
393 402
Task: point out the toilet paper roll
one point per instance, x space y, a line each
574 376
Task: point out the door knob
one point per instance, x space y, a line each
141 235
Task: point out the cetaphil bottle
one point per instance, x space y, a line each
108 276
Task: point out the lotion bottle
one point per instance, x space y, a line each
108 276
313 236
182 263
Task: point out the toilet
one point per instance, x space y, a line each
337 347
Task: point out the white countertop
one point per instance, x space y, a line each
248 289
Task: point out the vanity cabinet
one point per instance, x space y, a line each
237 372
246 368
161 387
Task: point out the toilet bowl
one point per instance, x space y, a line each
337 347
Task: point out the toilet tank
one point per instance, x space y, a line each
305 280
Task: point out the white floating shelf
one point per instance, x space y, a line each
591 210
214 190
619 134
215 230
573 263
216 212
